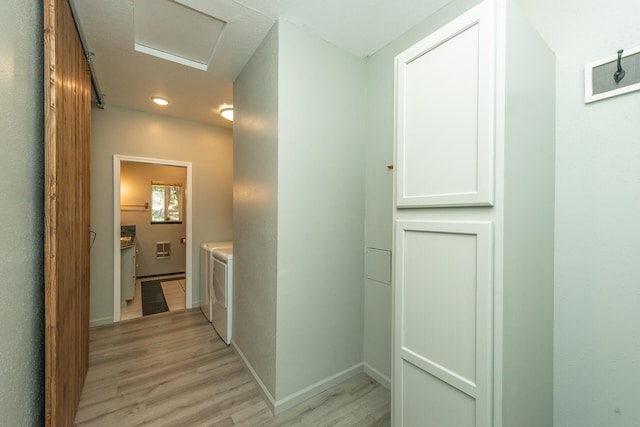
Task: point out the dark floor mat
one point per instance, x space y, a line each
153 301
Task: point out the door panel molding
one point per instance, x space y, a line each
438 278
445 115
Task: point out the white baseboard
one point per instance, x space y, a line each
294 399
308 392
377 375
100 322
266 395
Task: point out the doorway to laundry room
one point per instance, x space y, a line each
152 260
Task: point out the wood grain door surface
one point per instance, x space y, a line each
67 213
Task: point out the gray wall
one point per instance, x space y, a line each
127 132
299 212
255 210
135 189
597 345
21 228
320 210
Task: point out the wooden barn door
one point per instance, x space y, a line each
67 213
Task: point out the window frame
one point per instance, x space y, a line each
166 201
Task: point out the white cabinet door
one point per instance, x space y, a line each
445 115
443 328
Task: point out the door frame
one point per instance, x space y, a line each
117 160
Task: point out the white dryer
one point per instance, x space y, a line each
206 276
223 292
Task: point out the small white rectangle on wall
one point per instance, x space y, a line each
610 77
378 265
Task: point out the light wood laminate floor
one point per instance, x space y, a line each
172 369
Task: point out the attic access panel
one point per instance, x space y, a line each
171 31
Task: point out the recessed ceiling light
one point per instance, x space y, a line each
160 100
226 111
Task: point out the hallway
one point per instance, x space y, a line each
172 369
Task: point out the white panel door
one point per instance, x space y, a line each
443 324
445 115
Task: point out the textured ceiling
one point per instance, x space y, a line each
187 36
361 27
129 78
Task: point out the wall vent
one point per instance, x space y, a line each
163 250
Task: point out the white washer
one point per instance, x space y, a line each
223 292
206 276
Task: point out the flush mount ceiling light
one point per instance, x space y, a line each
226 111
160 100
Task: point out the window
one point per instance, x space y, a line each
166 202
